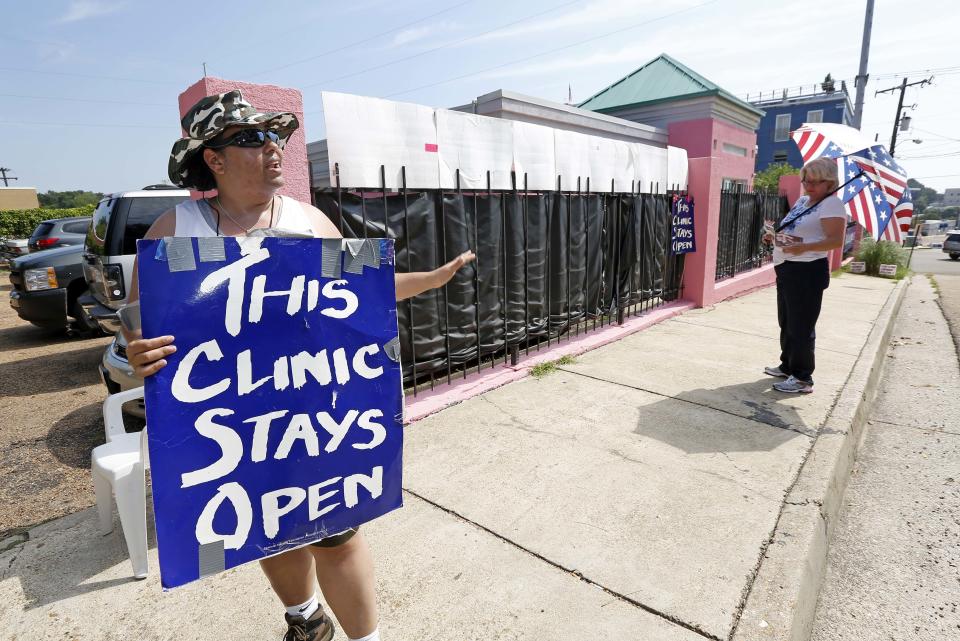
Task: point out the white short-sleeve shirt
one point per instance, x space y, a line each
808 227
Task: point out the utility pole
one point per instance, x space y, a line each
896 120
861 81
4 177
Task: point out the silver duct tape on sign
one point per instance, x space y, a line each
210 557
179 252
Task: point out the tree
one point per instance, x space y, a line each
769 178
922 195
67 199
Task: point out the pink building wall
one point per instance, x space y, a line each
296 173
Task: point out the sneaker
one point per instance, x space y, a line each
775 371
793 385
318 627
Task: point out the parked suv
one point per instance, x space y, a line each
119 221
951 244
59 232
110 247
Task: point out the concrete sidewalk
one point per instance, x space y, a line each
631 495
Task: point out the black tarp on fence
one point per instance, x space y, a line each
548 264
739 241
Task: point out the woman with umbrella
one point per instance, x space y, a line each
815 225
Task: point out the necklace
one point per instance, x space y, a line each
246 230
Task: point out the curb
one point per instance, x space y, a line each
782 601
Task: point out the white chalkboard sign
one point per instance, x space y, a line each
858 267
888 270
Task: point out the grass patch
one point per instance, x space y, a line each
542 369
933 283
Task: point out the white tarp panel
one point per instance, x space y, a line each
612 164
572 151
677 168
650 164
363 133
534 154
474 145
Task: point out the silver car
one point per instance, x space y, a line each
117 375
951 244
119 221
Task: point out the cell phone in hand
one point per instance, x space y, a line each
785 240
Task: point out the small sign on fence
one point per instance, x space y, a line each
682 239
858 267
888 270
278 420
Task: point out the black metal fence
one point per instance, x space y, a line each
739 242
550 266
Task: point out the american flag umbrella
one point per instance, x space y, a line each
875 191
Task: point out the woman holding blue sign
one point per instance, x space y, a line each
237 150
814 226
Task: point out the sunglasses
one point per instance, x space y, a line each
247 138
807 181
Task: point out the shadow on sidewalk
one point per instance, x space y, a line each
736 418
65 563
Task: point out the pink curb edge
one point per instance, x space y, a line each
431 402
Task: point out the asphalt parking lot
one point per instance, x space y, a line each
50 403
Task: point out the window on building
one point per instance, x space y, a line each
735 150
733 184
815 116
781 132
779 156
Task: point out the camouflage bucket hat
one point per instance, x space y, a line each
209 117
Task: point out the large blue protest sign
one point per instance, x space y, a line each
682 240
278 420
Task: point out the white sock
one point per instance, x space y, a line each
373 636
305 609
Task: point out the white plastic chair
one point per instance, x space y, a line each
118 468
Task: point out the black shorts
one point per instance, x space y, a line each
336 539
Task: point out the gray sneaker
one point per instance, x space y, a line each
318 627
775 371
793 385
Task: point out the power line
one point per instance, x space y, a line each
443 46
546 53
358 42
947 154
66 99
932 133
79 124
88 75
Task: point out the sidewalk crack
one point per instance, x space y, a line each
571 571
915 427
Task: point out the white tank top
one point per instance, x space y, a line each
195 220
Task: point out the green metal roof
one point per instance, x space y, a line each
660 80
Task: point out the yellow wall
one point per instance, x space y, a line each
18 198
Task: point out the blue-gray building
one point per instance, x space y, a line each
790 109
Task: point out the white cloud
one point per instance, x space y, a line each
414 34
83 9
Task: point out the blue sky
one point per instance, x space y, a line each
88 88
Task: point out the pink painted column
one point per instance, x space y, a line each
712 147
296 172
700 267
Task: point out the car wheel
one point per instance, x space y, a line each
954 256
